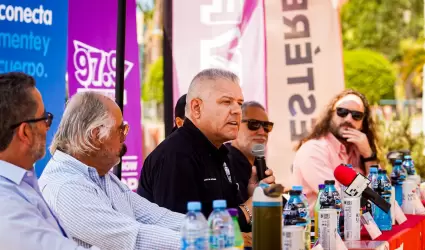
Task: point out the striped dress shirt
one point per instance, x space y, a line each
102 211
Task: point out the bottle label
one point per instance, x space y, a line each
199 243
221 241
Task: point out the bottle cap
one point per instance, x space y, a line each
299 188
397 162
321 186
219 204
294 192
382 171
373 169
407 157
330 182
233 212
193 206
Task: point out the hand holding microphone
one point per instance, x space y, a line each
258 150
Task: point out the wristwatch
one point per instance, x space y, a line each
370 158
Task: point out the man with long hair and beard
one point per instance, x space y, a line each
344 134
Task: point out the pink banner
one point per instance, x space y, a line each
226 34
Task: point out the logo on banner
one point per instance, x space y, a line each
224 50
96 68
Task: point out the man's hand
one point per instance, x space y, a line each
253 180
359 139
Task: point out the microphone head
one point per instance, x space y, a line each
344 175
258 150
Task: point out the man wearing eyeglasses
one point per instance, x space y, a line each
345 134
93 204
26 222
254 129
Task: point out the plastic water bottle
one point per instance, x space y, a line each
239 242
373 178
316 212
307 228
221 227
398 176
195 228
383 219
330 199
295 212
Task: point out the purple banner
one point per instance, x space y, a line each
91 67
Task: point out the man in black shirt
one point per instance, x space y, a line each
255 129
191 164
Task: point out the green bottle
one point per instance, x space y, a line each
316 212
239 243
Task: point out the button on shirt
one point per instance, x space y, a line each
185 167
26 222
316 160
102 211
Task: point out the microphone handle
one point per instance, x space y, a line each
375 198
260 165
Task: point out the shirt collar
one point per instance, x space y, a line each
336 144
202 141
68 160
13 172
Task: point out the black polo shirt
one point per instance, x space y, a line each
242 169
185 167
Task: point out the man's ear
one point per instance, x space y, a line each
25 134
196 106
94 138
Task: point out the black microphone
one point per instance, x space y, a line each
258 150
357 185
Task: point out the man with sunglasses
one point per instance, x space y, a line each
192 163
93 204
254 129
26 222
344 134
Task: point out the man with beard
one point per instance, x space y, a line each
192 163
93 204
344 134
254 129
26 221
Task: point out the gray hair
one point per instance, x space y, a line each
84 112
251 104
196 88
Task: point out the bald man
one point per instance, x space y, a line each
192 164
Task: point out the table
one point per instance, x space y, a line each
409 234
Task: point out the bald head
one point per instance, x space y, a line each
213 104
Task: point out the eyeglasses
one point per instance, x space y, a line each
343 112
124 128
256 124
47 118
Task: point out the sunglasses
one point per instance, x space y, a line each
47 118
256 124
343 112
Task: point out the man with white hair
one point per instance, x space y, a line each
94 205
192 163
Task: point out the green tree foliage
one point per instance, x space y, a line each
380 25
152 88
396 135
370 73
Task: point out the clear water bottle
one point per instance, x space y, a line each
398 176
373 178
221 228
195 228
316 212
330 198
307 228
383 219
